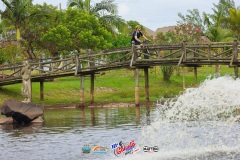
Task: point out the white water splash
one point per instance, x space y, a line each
201 124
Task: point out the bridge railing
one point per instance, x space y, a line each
189 53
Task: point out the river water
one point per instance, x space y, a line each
202 123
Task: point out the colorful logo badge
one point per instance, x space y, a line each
86 149
99 150
124 149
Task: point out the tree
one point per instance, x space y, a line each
80 4
105 11
233 21
16 13
57 39
45 17
122 40
182 32
193 17
215 31
86 31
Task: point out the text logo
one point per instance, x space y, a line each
124 149
99 150
150 149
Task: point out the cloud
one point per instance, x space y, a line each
123 9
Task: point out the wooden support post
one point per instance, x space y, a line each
184 82
134 54
82 92
146 83
137 88
92 89
184 51
195 77
235 50
235 57
41 90
209 52
236 71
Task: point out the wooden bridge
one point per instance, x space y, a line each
90 63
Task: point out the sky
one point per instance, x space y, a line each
152 14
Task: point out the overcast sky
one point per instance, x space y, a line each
151 13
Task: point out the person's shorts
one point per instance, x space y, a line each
137 43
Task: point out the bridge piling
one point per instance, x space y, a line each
82 91
137 87
195 77
41 90
235 55
92 89
236 71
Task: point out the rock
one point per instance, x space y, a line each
38 120
6 120
21 112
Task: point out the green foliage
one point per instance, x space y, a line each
60 37
132 26
44 17
86 31
2 57
105 11
167 72
122 40
233 21
11 54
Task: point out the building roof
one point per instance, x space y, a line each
154 33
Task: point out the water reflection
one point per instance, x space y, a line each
65 119
83 118
137 115
18 129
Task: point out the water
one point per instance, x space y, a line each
201 124
66 131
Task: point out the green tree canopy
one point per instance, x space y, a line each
86 31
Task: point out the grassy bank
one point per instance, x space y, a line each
113 86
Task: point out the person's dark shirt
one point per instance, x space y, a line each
138 34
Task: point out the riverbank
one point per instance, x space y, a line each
113 88
98 105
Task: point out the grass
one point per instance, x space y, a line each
113 86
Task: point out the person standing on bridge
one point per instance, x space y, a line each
136 38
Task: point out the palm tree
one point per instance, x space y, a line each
80 4
233 21
215 31
16 13
105 11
